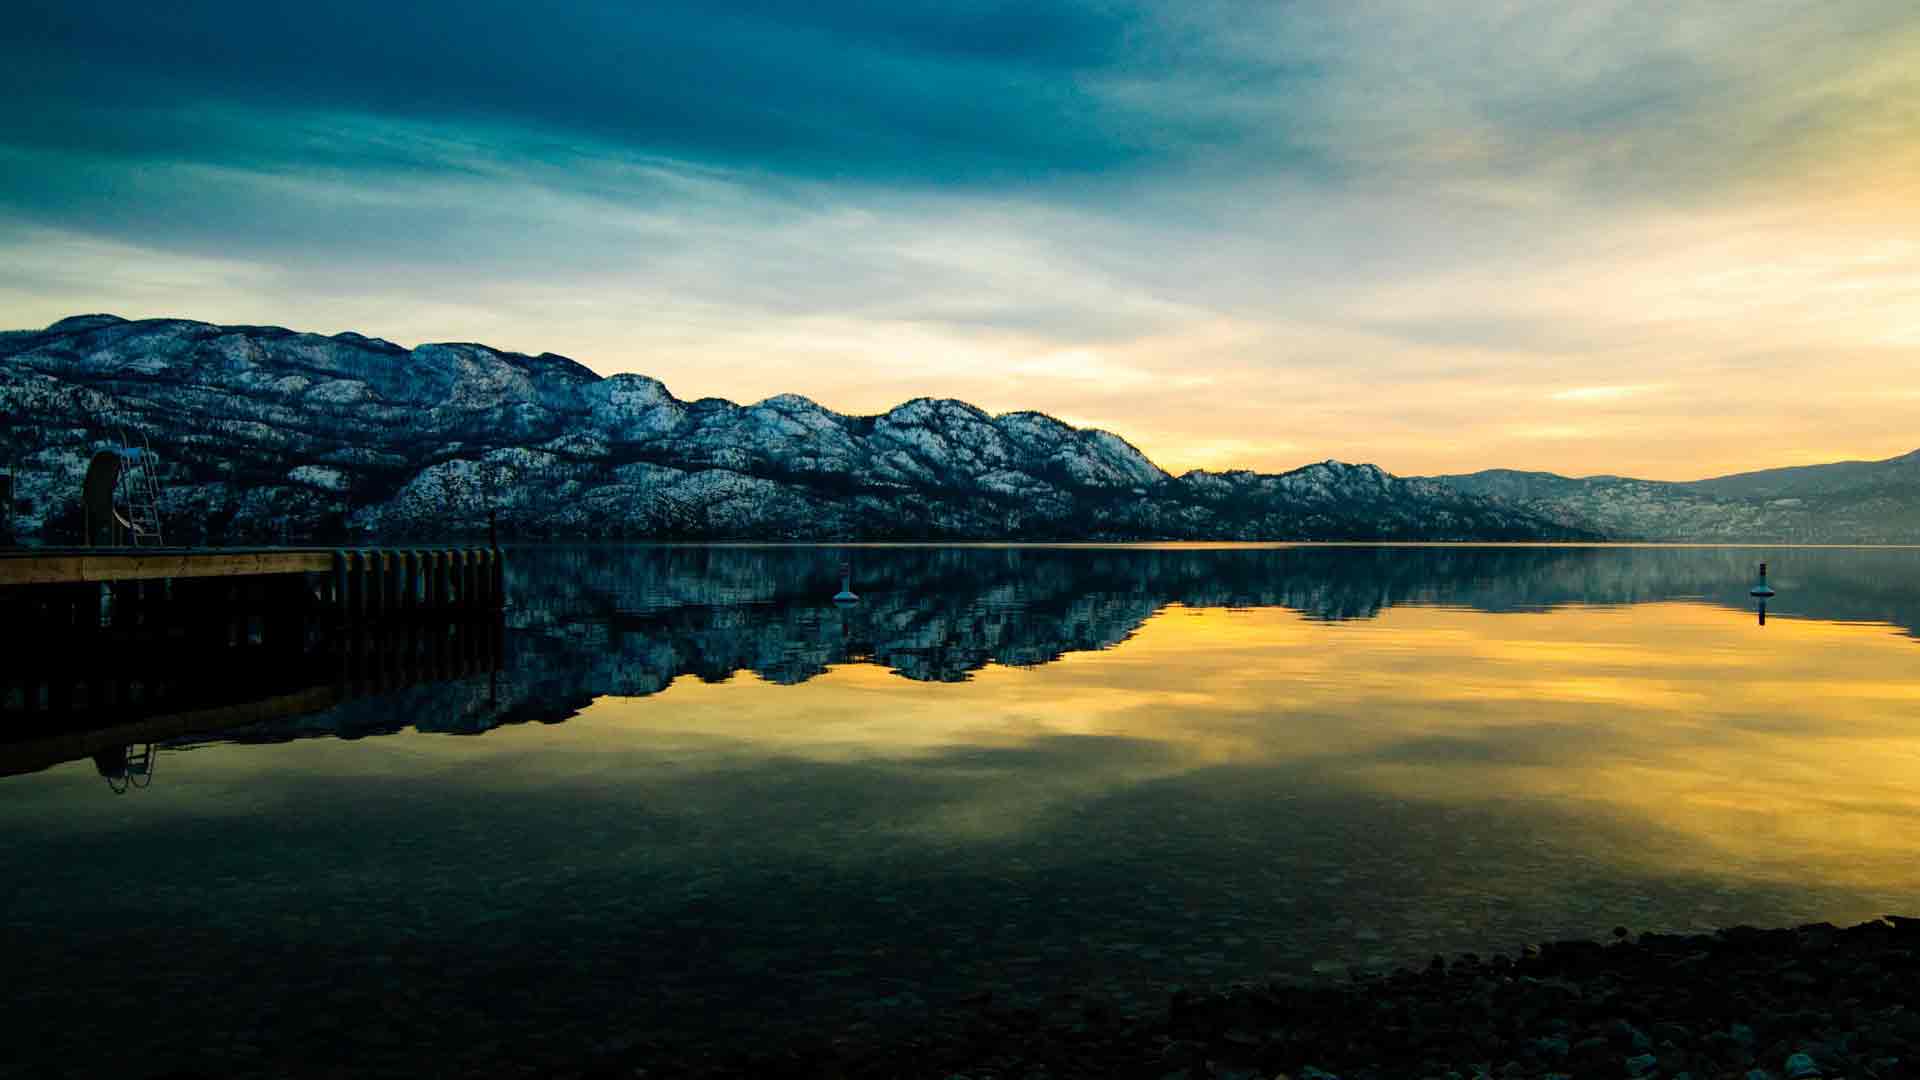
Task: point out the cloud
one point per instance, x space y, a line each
1085 365
864 91
1375 232
1522 103
1555 432
1511 103
1603 393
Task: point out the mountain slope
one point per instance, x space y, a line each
1840 477
272 434
1848 502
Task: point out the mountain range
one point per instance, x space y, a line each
1847 502
269 434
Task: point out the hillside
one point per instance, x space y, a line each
1848 502
269 434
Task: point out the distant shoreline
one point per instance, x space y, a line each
37 547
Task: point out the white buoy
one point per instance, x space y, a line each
1760 587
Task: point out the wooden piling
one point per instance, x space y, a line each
410 581
482 579
338 601
356 605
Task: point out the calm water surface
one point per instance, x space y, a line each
698 798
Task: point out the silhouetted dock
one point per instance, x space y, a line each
130 647
353 582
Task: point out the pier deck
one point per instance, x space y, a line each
83 566
353 581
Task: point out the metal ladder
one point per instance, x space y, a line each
139 490
137 771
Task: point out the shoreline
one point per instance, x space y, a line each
1758 1004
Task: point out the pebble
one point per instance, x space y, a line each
1710 1003
1801 1065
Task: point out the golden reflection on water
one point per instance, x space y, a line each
1768 754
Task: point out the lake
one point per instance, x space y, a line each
698 799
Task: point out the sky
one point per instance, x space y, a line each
1668 239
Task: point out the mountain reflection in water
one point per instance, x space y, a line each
589 622
1035 771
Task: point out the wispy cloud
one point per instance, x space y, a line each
1551 432
1603 393
1370 231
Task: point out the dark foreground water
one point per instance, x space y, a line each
699 802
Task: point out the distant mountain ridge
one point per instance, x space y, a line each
1830 479
1846 502
269 434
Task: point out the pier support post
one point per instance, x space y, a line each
382 582
397 582
470 581
456 569
410 581
357 585
340 582
482 576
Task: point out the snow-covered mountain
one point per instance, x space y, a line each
1847 502
271 434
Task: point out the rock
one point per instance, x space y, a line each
1667 1033
1642 1065
1800 1065
1593 1046
1625 1034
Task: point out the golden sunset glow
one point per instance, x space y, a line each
1766 753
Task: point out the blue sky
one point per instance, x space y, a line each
1673 239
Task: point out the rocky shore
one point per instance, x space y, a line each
1786 1004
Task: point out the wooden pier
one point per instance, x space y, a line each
354 583
140 645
